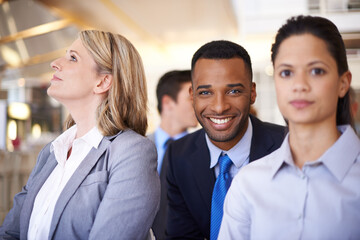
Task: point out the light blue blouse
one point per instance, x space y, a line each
273 199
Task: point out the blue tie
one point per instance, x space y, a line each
222 184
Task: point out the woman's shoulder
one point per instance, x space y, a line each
128 143
260 168
129 137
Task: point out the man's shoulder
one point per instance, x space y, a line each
189 142
267 126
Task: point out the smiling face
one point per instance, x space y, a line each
75 76
222 93
307 81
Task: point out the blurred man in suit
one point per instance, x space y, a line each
177 115
222 93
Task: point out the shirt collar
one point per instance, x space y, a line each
282 156
348 140
65 139
238 154
92 137
161 136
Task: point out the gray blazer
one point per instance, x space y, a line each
113 194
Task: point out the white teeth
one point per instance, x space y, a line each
220 121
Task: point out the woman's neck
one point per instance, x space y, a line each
84 116
309 142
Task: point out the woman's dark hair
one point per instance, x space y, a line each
329 33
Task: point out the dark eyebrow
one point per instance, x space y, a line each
235 85
203 86
285 65
228 85
316 62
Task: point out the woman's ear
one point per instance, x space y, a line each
103 84
345 81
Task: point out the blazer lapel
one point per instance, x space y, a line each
261 141
33 190
75 181
204 176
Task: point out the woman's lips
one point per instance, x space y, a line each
55 78
300 104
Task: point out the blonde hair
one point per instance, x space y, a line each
126 102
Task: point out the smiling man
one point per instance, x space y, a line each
202 164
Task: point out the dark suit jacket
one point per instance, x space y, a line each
191 181
159 224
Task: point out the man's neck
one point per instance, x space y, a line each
171 128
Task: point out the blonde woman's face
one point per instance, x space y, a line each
75 76
307 81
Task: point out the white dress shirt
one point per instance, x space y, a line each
239 154
273 199
49 193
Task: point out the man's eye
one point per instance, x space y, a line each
234 91
204 93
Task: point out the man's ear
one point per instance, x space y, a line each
191 92
253 93
345 81
104 83
166 102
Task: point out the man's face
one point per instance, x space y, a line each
222 93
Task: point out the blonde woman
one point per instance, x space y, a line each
98 179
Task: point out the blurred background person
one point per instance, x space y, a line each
309 187
98 179
177 116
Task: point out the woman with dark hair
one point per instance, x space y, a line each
309 187
98 179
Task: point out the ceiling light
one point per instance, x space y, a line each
10 56
20 111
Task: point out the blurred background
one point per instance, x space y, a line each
165 32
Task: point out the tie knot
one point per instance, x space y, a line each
225 164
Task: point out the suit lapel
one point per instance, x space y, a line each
200 167
75 181
261 141
34 188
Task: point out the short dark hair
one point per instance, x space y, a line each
170 84
222 49
327 31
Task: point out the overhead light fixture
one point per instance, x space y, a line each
10 56
12 129
36 131
20 111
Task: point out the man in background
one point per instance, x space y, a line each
177 115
